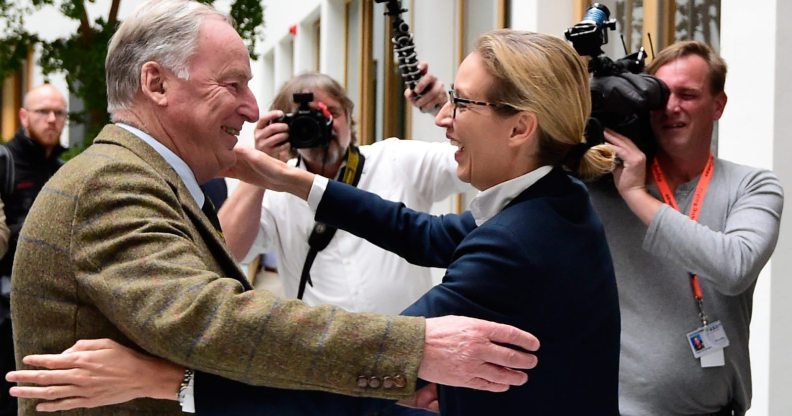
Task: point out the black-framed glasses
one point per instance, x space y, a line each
45 112
464 102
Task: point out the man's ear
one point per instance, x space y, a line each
154 83
24 117
524 128
720 104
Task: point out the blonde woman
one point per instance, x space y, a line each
531 252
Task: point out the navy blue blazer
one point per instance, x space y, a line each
541 264
217 396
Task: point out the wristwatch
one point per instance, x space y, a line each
185 393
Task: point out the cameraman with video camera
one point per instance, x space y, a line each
689 234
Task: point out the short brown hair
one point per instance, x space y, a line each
717 66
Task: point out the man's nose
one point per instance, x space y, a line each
673 103
249 108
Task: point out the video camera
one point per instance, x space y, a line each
621 94
308 127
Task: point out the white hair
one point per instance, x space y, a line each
163 31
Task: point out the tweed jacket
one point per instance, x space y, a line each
115 246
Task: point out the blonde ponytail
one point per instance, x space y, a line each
595 162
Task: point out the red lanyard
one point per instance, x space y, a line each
695 209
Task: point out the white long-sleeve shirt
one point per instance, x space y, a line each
351 272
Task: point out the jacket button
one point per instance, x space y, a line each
374 382
399 381
387 382
362 381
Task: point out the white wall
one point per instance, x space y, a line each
305 45
551 17
434 35
331 61
780 400
755 131
279 15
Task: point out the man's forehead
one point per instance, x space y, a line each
239 72
691 65
219 40
45 95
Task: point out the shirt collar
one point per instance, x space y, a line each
179 165
491 201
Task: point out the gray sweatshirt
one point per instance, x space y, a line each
733 240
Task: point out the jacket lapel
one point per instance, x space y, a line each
213 240
112 134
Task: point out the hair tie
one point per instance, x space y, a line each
576 152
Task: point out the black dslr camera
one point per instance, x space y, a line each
308 127
621 94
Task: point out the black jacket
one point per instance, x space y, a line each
32 169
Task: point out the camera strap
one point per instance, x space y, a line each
708 341
322 233
695 209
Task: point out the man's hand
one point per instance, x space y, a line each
424 398
477 354
630 177
95 373
430 94
272 137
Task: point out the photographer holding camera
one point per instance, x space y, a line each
349 272
689 234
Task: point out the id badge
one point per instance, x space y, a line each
717 335
714 358
707 339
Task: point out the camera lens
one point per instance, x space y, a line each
308 127
598 14
305 131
